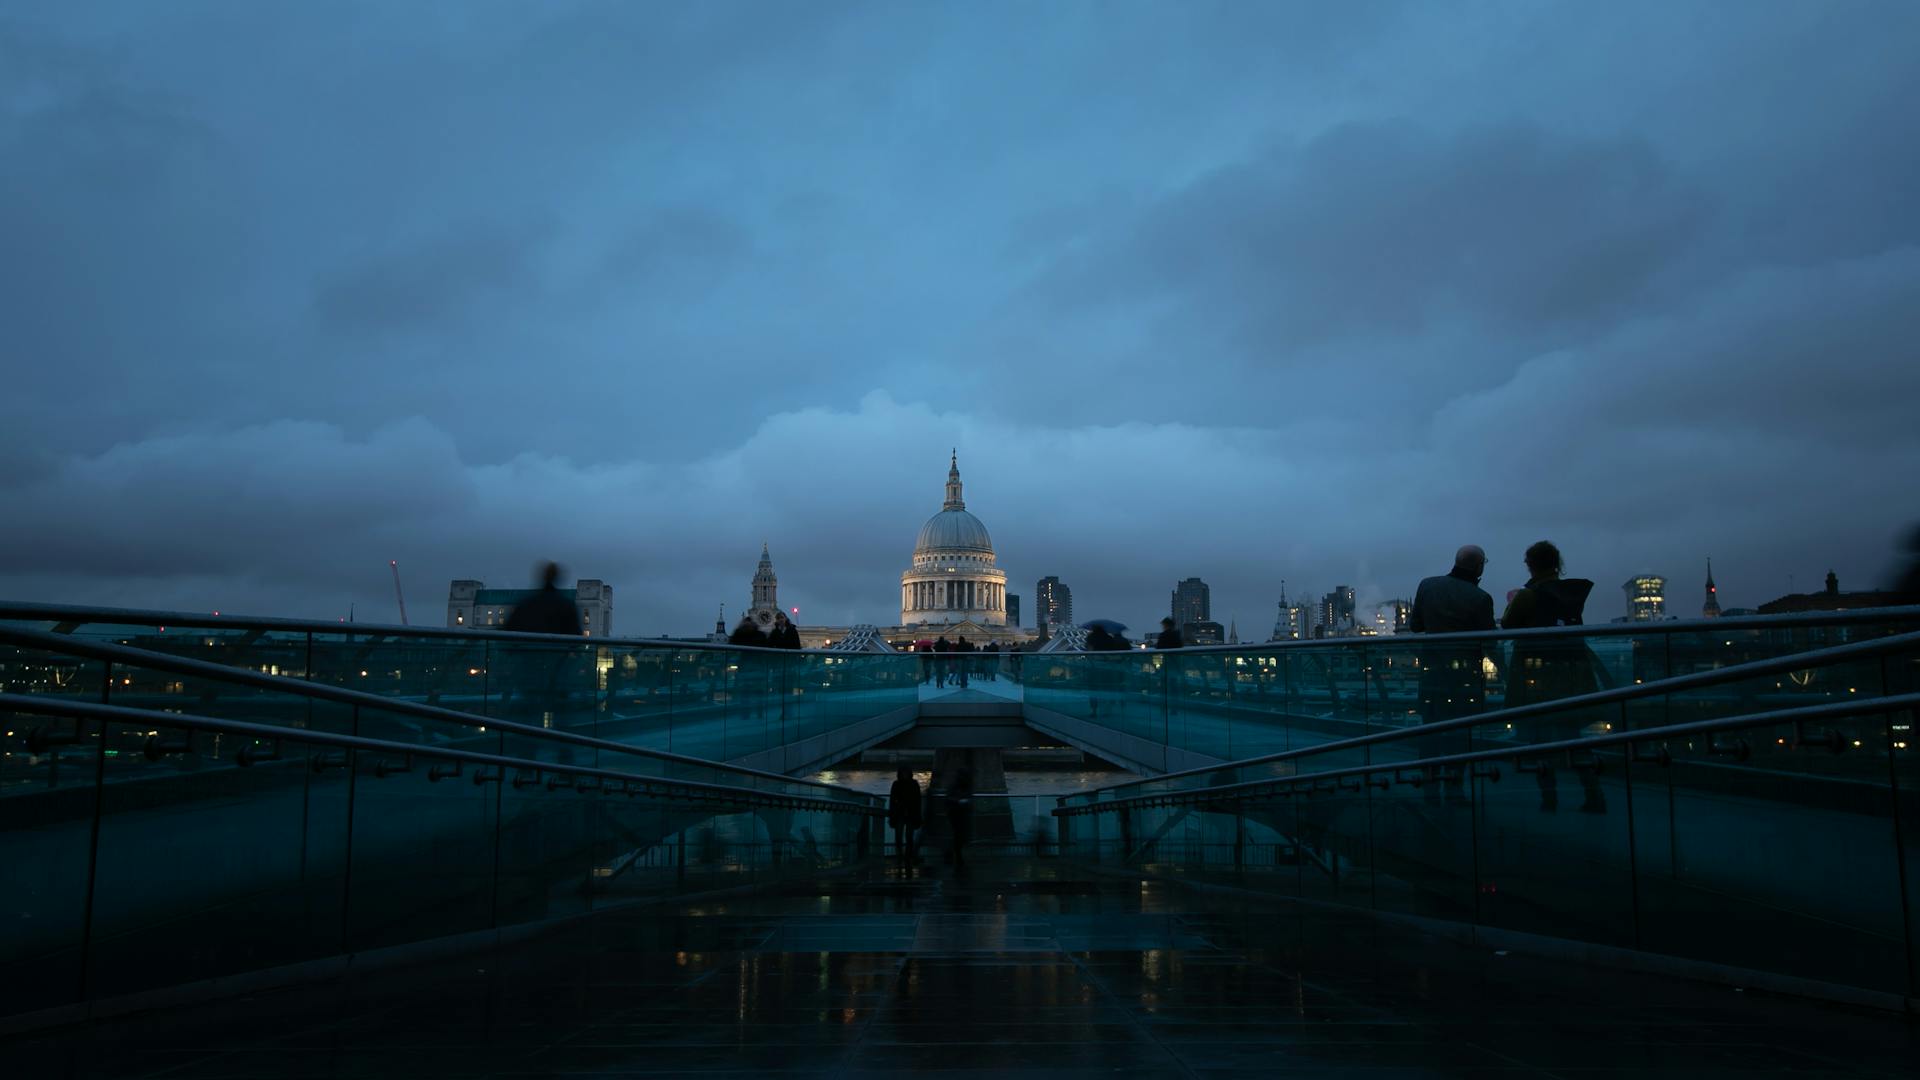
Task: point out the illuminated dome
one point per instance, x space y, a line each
953 578
950 530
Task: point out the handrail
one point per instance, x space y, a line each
1607 629
109 616
147 658
1800 713
1672 684
35 705
65 613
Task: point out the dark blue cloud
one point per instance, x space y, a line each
290 292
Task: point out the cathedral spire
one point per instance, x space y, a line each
1711 609
954 501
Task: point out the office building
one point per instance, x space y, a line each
1192 602
1646 597
1052 604
473 606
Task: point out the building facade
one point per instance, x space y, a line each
473 606
1191 602
953 577
1393 617
1293 623
1052 604
1013 609
1646 597
952 589
1335 613
1832 599
1204 632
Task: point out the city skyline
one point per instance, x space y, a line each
1348 287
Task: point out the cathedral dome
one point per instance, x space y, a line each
950 529
953 579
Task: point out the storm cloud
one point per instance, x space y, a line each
1252 292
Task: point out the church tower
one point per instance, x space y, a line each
1711 609
766 588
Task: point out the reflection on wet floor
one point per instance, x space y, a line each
1021 968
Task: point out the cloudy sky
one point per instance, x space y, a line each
1253 291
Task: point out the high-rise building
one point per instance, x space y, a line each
1711 609
1646 597
473 606
1052 604
1192 602
1013 609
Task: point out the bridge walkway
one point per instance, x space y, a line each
1016 968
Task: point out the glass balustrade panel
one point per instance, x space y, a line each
217 854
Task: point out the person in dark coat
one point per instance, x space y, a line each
1453 679
1100 639
785 635
1454 601
963 659
903 813
547 611
960 816
1169 636
1908 583
1543 669
942 656
747 633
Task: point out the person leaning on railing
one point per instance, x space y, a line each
1544 669
1452 675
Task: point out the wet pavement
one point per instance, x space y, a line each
1019 968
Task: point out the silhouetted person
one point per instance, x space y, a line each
1454 601
942 656
785 635
960 815
1100 639
547 611
903 813
1169 636
1453 679
1550 668
1908 583
747 633
963 659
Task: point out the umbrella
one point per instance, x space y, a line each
1108 625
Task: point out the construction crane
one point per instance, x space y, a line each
394 565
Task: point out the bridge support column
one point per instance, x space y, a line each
992 815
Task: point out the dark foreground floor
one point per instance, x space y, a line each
1018 970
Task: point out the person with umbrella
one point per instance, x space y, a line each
1105 635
